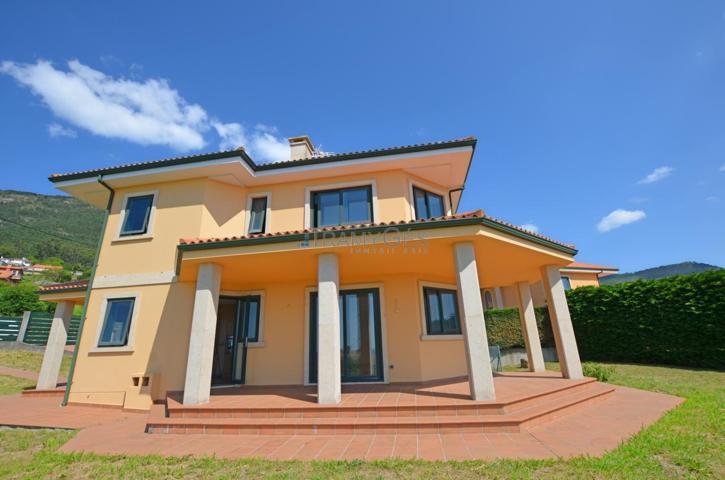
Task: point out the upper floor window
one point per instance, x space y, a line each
567 283
427 204
116 323
137 214
258 215
441 311
342 206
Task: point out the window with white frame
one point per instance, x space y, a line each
117 322
137 215
342 206
427 204
441 311
258 215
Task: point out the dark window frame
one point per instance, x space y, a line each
315 208
129 319
428 320
264 214
147 219
566 282
426 194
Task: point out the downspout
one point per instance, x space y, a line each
450 198
69 382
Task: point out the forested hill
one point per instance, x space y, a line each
47 226
663 271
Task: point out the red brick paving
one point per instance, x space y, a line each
591 429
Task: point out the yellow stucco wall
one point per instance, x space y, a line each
160 337
582 279
162 318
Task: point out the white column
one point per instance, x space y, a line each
203 329
529 328
23 326
566 348
480 376
329 389
53 357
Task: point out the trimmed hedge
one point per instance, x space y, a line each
678 320
503 327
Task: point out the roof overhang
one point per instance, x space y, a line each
445 164
503 254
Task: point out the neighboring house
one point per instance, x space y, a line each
15 262
40 268
214 270
574 275
11 274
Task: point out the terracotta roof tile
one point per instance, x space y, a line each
473 214
59 287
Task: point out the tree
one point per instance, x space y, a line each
15 299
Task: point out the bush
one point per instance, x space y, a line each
678 320
15 299
503 327
601 372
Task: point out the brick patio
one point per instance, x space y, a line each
602 418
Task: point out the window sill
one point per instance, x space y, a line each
130 238
97 350
255 344
441 337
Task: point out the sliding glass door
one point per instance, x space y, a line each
361 353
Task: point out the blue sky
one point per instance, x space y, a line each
574 103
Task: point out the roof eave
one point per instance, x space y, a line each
302 236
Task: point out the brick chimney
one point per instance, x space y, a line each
300 147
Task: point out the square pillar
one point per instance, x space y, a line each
23 326
480 376
53 357
529 328
197 385
566 348
329 388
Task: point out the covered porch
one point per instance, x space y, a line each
458 253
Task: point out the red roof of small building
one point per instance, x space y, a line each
60 287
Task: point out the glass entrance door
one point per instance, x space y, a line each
361 353
237 326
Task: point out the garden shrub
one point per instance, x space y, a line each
601 372
678 320
503 327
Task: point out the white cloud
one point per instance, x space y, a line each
147 112
530 227
260 142
618 218
56 130
657 174
722 167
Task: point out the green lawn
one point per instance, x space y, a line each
689 442
10 385
30 361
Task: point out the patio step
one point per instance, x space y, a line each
175 409
546 409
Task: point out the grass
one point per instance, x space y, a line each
10 385
30 361
688 442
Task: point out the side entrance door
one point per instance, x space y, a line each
237 326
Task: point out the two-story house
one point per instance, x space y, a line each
324 270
